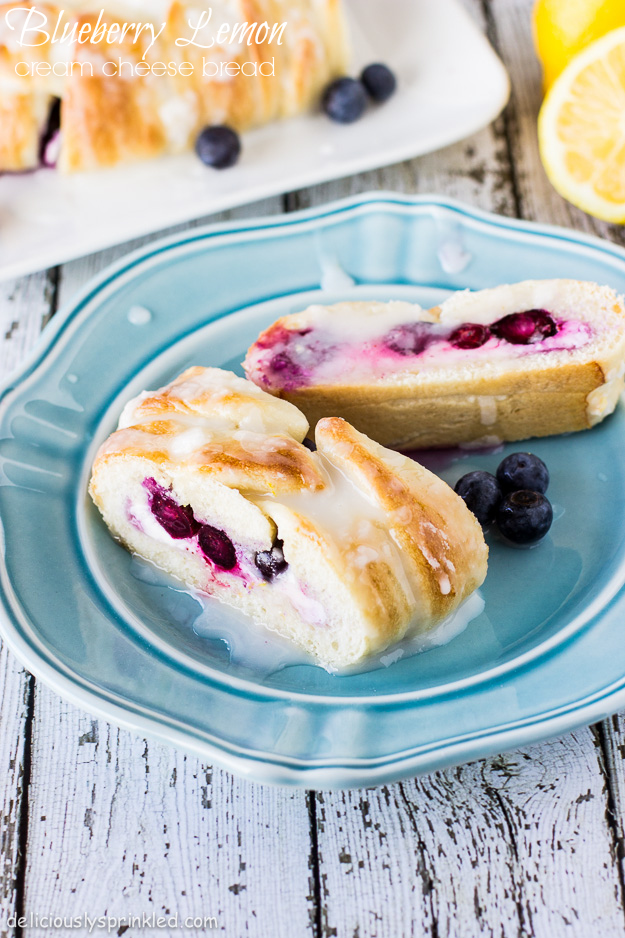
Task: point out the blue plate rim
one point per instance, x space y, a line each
321 773
53 329
575 713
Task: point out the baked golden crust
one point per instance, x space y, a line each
377 543
443 543
23 118
482 400
229 431
206 392
380 589
25 100
492 409
112 119
248 463
13 17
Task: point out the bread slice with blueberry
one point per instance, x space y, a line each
343 550
516 361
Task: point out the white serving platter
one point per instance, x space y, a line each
451 83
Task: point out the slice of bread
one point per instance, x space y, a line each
343 551
547 357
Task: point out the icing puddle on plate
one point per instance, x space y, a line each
261 652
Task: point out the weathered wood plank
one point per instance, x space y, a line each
16 688
554 799
121 827
514 845
475 170
24 309
611 738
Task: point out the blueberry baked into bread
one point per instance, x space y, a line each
508 363
343 550
83 122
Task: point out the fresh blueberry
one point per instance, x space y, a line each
217 546
469 335
533 325
177 520
379 82
523 471
271 562
409 339
218 146
524 517
310 444
50 144
481 493
345 100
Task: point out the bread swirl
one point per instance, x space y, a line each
508 363
343 551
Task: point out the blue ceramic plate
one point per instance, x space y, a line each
546 654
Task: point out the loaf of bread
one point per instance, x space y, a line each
516 361
343 551
113 114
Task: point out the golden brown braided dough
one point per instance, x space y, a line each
110 120
377 547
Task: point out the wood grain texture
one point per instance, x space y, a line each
611 738
521 845
25 306
475 170
15 689
123 827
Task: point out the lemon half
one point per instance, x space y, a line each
562 28
581 129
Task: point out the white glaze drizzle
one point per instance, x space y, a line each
358 526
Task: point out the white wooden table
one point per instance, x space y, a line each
95 821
